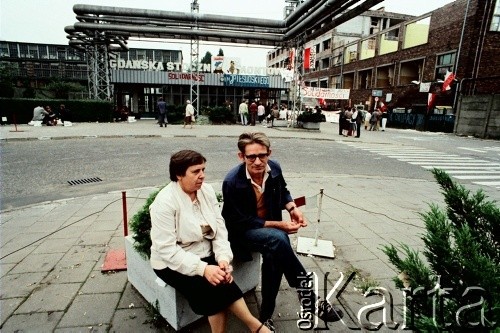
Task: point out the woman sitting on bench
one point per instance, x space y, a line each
190 250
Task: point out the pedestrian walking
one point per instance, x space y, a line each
253 108
189 115
162 112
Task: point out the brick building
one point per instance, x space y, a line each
404 62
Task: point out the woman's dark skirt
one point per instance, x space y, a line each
204 298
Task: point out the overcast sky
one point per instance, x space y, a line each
43 21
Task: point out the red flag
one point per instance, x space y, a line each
307 58
448 79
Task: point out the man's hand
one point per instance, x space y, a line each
297 217
214 274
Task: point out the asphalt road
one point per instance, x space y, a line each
38 171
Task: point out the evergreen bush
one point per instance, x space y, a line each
311 117
141 228
458 288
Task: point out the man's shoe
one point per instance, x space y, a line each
328 312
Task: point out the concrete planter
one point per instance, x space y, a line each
172 305
311 125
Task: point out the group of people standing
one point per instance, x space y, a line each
257 112
194 241
351 120
49 117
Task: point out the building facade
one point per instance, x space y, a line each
403 61
140 76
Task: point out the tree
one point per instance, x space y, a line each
458 288
7 78
221 53
61 89
207 59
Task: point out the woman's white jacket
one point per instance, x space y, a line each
176 235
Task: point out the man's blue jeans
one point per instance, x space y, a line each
278 258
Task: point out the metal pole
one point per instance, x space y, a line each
320 202
125 218
458 54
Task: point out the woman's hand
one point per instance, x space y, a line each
228 269
214 274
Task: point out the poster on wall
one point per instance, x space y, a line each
226 65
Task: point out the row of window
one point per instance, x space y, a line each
151 55
67 53
39 51
384 76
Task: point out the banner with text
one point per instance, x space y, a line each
324 93
252 81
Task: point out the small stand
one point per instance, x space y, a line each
15 124
315 246
116 259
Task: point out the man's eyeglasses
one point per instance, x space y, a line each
253 157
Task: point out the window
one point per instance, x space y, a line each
495 20
326 45
32 51
444 63
336 82
364 79
389 41
410 70
416 33
4 50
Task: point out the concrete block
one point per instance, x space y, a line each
173 307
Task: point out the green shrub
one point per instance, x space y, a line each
141 228
462 248
81 110
311 117
220 115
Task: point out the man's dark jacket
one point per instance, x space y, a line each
240 205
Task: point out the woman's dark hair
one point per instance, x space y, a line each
182 160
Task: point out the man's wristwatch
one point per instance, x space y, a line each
290 210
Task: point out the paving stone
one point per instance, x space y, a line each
55 245
50 297
67 272
90 310
19 285
32 322
110 282
38 263
131 296
8 306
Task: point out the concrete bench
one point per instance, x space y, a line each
172 305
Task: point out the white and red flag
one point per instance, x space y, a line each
430 101
309 58
448 79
